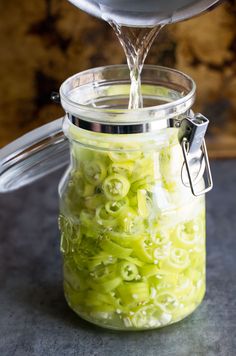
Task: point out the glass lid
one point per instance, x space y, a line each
33 155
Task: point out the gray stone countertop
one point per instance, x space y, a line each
35 319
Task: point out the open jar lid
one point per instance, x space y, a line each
33 156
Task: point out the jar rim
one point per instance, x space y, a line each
128 116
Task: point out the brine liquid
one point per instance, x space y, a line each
136 43
137 23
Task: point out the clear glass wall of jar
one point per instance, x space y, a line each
132 234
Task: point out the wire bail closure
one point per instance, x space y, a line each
191 137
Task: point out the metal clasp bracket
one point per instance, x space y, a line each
191 137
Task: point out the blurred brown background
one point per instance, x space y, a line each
43 42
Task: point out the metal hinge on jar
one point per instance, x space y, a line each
196 163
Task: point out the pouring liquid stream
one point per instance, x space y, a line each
136 43
137 23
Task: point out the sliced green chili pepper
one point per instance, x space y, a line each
149 270
124 239
114 208
116 187
130 221
140 250
178 260
94 172
122 156
128 271
106 286
133 292
123 168
103 218
115 249
142 202
94 201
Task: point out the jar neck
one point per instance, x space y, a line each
97 99
117 142
125 128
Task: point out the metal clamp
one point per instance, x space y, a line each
191 136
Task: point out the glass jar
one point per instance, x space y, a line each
132 205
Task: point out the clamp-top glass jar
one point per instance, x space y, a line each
133 235
132 206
